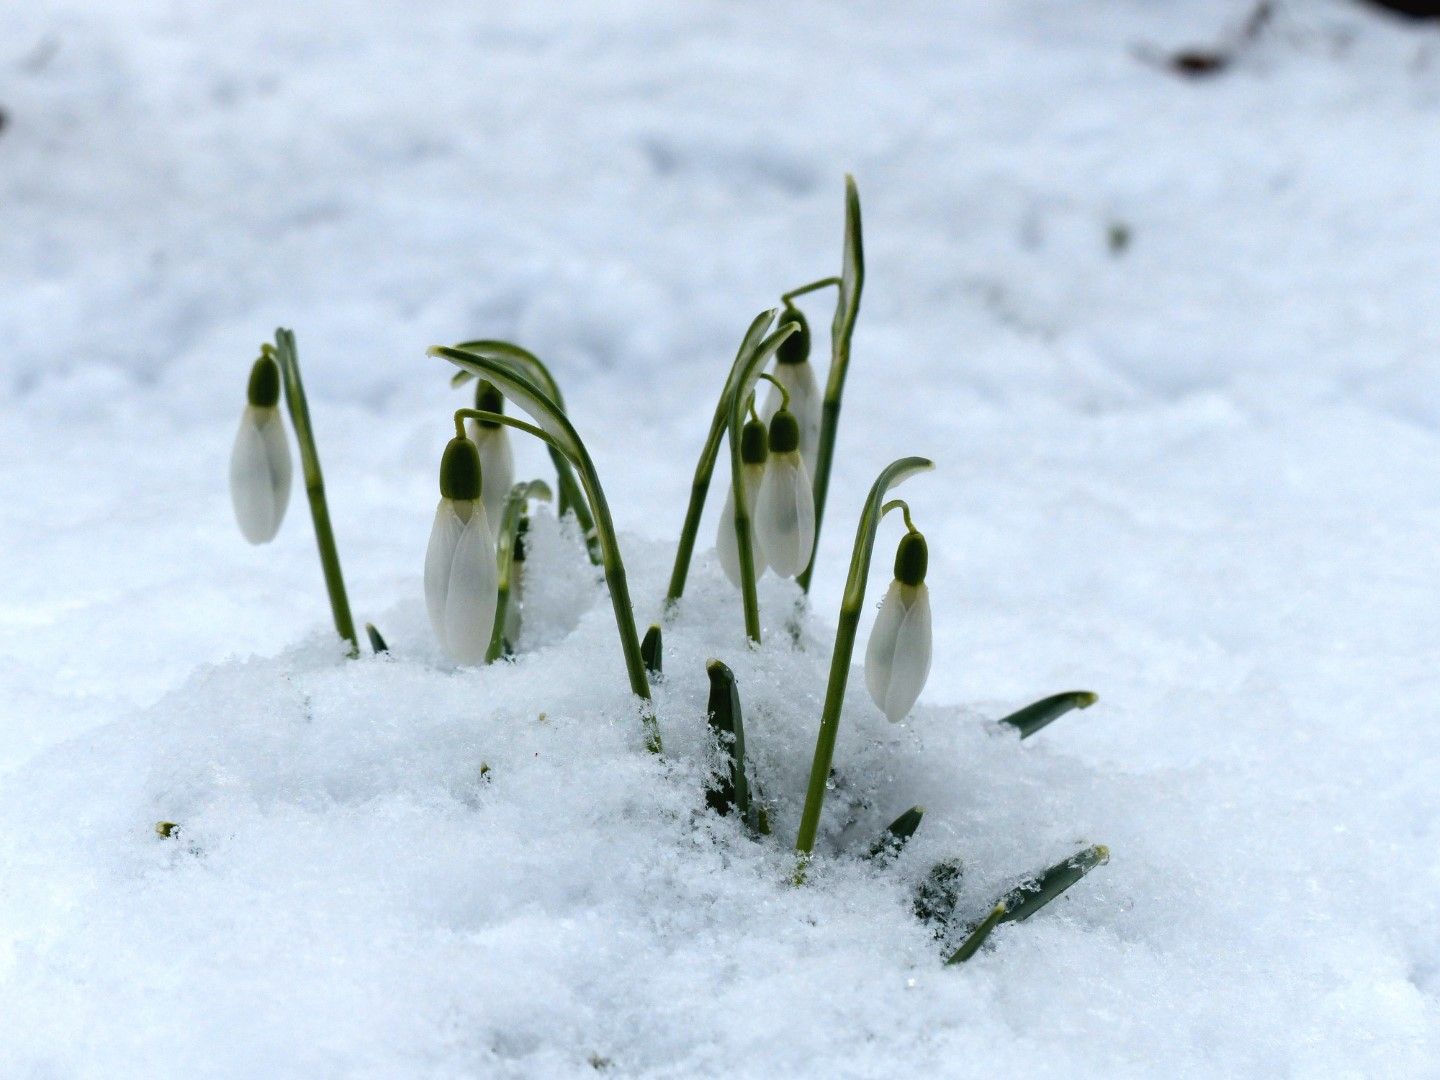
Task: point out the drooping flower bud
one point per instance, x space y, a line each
897 660
753 453
785 506
497 460
260 468
461 576
794 372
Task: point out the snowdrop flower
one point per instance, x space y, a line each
461 577
497 463
260 461
897 660
794 373
785 506
752 457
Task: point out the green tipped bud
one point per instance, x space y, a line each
912 559
752 443
796 348
460 470
489 399
264 388
784 432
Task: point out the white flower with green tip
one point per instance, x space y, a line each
897 660
461 575
785 506
260 467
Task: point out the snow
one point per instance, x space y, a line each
1199 476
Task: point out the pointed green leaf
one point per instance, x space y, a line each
1032 718
1034 893
977 937
898 832
377 643
651 650
730 791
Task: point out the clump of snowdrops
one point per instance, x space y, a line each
780 454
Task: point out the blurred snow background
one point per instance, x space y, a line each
1199 474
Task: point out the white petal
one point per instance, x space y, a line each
880 652
497 467
785 514
439 557
471 596
805 403
260 474
726 545
897 659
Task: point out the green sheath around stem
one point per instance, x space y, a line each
700 486
850 606
510 519
289 361
842 330
556 430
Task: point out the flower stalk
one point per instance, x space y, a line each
529 366
557 432
283 352
705 468
850 607
745 375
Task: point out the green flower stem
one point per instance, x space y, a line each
700 486
814 286
510 519
904 508
748 373
556 430
850 607
529 366
842 330
283 352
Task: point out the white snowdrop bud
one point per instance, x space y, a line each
785 506
897 660
497 461
794 372
752 458
461 576
260 461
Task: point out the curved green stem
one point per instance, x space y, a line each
842 330
850 607
700 486
529 366
555 428
510 519
744 535
784 394
904 508
283 351
814 286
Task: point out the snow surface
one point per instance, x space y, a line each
1200 476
